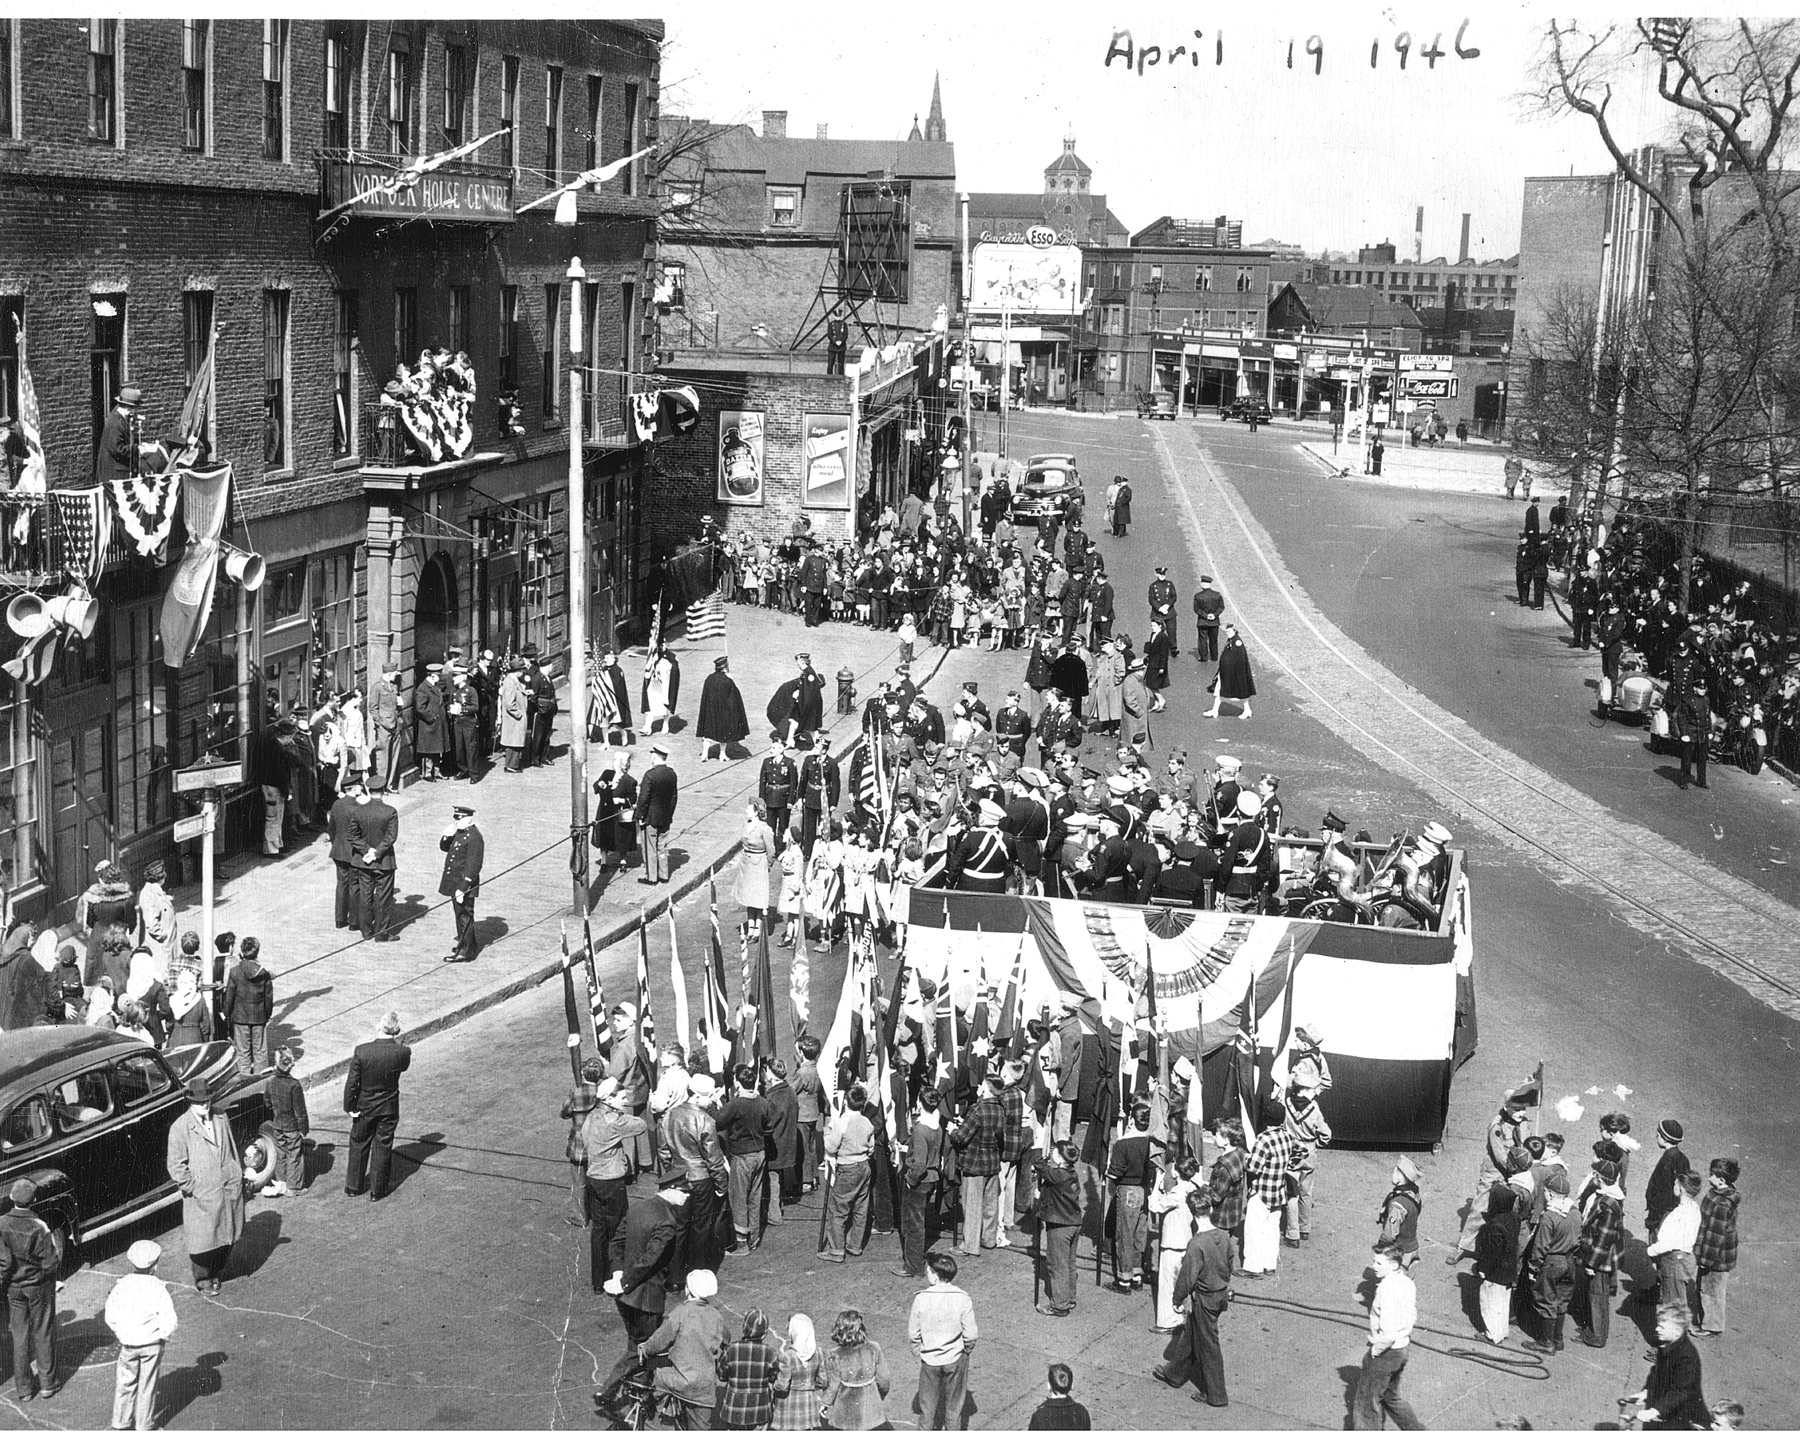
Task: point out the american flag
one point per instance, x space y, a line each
596 993
80 525
37 658
646 1022
678 982
198 403
706 618
718 1008
34 476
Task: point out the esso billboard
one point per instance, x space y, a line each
1033 277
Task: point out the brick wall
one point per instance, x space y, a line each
682 484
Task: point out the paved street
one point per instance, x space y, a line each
328 1332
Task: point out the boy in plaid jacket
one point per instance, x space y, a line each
1597 1256
1716 1251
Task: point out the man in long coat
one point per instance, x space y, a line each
722 720
797 709
432 737
204 1162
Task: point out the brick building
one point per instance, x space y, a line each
751 266
157 227
1066 203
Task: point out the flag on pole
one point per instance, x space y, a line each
800 970
646 1023
34 476
197 406
763 994
596 995
571 1015
602 175
1532 1091
718 1008
678 983
1010 1031
706 618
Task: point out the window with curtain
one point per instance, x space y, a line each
596 96
332 579
459 318
406 326
553 299
106 358
197 342
343 375
509 107
456 95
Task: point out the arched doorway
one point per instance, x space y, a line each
434 614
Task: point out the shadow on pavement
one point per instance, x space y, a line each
409 1158
1349 1372
261 1238
490 929
179 1387
78 1338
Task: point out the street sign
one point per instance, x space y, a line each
1427 362
207 776
190 828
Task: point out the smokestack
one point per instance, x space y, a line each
1419 235
1462 256
821 132
774 124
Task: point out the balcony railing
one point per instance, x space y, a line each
31 556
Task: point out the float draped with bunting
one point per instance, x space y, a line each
1395 1009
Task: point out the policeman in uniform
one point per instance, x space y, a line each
818 792
1028 823
465 716
979 859
1248 858
463 851
1109 863
1012 726
1693 724
779 781
1162 607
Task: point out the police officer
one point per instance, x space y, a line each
1028 823
1109 863
1182 881
779 781
1162 607
1693 724
1012 726
464 707
980 858
463 851
818 792
1221 807
1611 635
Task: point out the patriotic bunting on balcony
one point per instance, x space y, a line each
80 527
146 506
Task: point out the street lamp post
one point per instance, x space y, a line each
578 590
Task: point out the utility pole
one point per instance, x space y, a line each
968 367
578 587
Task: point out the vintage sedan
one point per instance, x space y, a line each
85 1115
1050 486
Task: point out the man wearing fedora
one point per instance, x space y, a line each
28 1260
113 458
372 1100
206 1166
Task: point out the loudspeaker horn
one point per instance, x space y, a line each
25 614
77 611
245 568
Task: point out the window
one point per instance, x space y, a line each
1243 281
284 595
784 208
553 296
337 89
81 1101
1203 277
139 1077
456 95
197 346
275 378
553 123
1118 279
627 326
275 65
1093 275
406 326
631 136
9 122
103 80
140 721
1156 273
509 107
18 790
106 358
12 319
333 622
509 339
459 319
1112 317
672 292
399 102
681 195
595 99
25 1124
343 375
195 61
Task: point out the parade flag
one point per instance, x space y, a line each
1011 1029
205 498
596 993
80 528
763 993
717 1019
678 980
1532 1091
706 618
836 1043
197 406
34 476
646 1023
36 659
571 1015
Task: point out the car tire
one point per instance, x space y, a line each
1750 754
259 1161
64 1242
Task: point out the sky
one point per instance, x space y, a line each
1330 153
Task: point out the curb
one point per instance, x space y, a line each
619 928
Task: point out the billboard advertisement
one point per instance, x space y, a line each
741 457
1027 278
826 459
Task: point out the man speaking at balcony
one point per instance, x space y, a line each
112 459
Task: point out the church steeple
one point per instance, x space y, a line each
934 121
915 136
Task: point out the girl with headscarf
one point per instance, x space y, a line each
753 860
798 1406
144 985
190 1022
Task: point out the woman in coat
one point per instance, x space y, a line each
625 794
191 1021
1157 647
108 902
1103 685
515 707
1232 682
156 917
753 861
799 1406
205 1164
856 1376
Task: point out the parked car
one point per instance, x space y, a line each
85 1115
1051 484
1162 405
1243 409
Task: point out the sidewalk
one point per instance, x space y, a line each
1476 469
332 987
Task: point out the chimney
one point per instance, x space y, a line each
774 124
1462 256
822 132
1419 235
